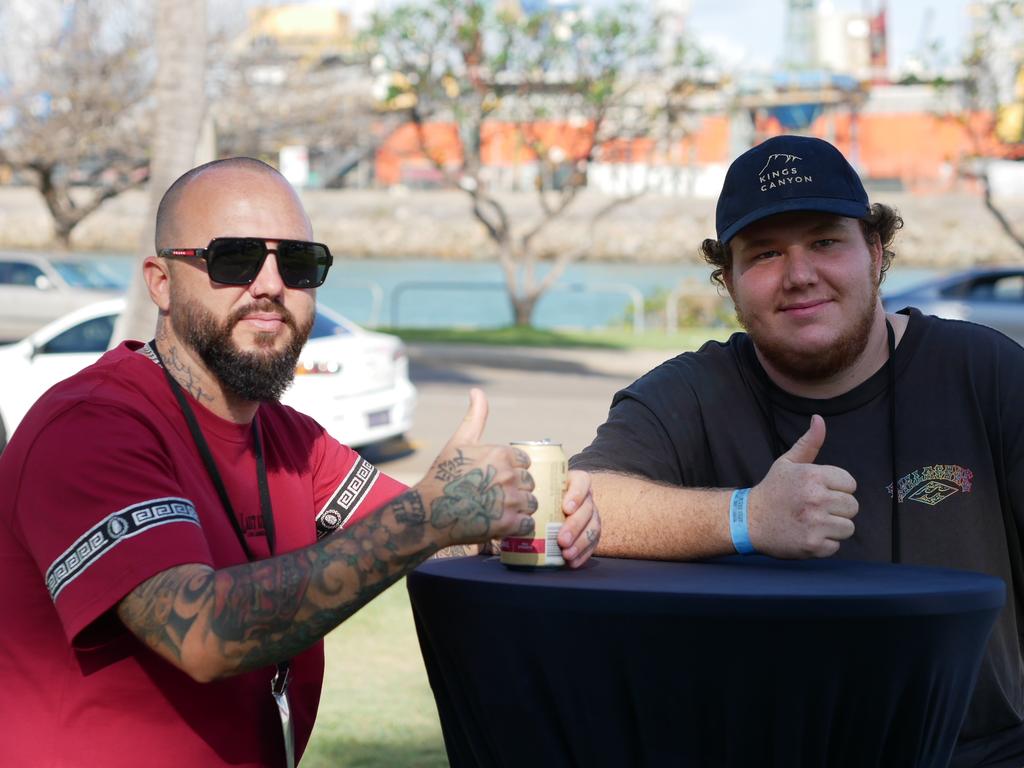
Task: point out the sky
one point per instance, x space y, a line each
752 31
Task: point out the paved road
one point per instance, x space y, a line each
533 393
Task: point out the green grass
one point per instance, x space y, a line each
606 338
376 709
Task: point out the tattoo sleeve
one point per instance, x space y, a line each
252 615
219 623
457 550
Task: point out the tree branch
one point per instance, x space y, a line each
565 258
1004 223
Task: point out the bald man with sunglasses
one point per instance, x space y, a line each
175 543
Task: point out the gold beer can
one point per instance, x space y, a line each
550 469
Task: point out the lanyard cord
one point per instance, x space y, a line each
211 467
282 676
768 412
891 335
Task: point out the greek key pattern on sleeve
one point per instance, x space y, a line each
111 531
347 498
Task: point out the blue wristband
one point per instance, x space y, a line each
738 522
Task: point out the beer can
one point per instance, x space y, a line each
549 468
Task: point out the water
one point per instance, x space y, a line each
413 292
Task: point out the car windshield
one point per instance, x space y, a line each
85 274
327 326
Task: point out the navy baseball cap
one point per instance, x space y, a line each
788 173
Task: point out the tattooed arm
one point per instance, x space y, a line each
461 550
579 535
447 470
216 623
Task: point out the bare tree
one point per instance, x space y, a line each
73 101
277 86
266 103
179 93
566 85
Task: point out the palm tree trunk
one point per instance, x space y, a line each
180 95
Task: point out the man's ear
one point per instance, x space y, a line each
727 278
877 252
157 274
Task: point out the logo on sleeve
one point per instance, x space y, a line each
346 498
933 485
117 527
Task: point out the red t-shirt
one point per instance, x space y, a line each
102 488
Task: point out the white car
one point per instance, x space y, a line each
353 381
36 289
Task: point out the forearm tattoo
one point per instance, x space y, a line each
409 509
456 550
260 613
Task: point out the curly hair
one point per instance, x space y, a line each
879 226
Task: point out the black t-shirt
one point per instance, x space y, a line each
713 418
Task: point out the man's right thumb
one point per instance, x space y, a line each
471 429
805 450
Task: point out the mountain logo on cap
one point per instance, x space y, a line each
781 170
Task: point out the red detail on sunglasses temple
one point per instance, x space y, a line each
183 252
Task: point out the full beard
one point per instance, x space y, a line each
263 374
802 365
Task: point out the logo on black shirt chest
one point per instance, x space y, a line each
933 485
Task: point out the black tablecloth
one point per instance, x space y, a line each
742 661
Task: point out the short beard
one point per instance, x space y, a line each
816 366
262 375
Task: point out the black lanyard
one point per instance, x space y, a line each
896 555
282 677
204 450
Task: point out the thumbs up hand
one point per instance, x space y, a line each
802 509
472 492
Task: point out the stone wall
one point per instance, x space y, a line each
941 231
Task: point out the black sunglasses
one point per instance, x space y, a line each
237 260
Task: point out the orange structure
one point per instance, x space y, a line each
918 150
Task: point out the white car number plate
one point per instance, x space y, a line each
378 418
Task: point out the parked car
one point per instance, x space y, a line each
36 288
353 381
992 296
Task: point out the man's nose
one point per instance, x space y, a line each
799 267
268 281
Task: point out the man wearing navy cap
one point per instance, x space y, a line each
828 428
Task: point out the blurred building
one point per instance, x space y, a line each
800 51
673 31
296 92
1000 34
528 7
820 37
310 32
302 98
844 44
